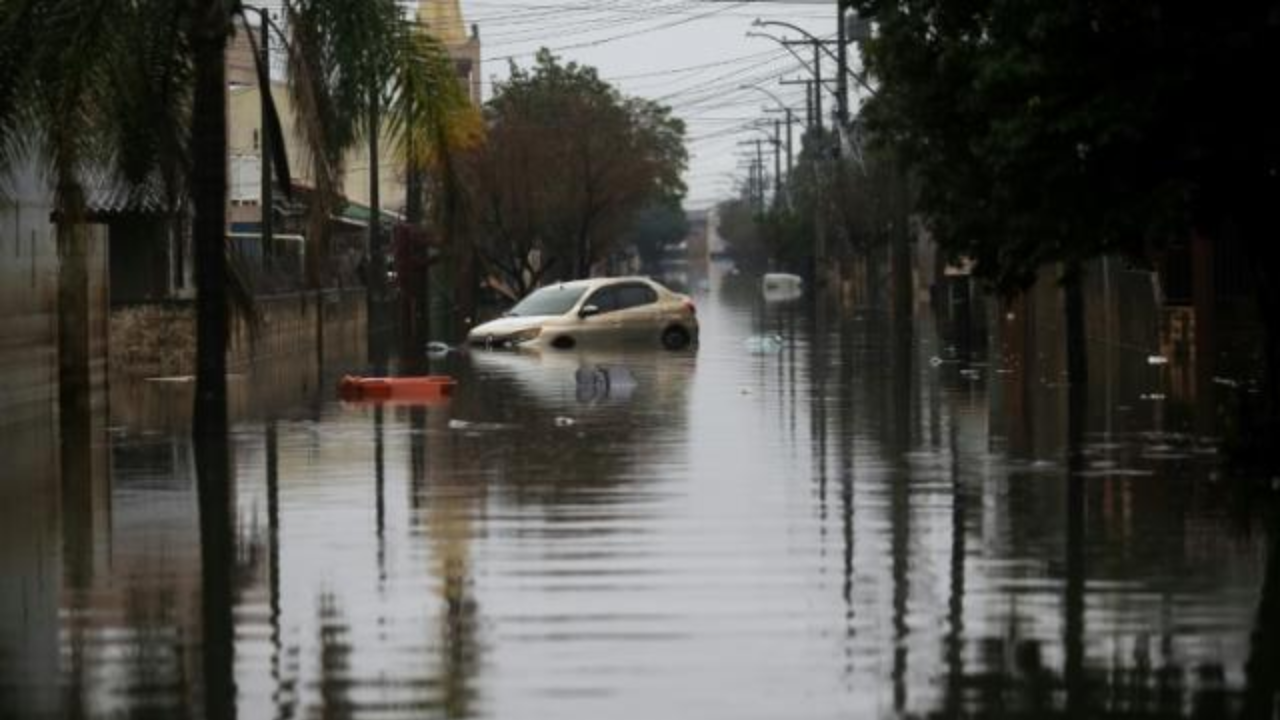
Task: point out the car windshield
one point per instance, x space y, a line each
550 300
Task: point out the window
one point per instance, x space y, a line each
551 300
635 295
621 297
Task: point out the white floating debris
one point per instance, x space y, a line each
437 349
562 421
1226 382
762 344
936 361
456 424
1154 397
1157 360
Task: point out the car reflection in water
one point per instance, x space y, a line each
559 380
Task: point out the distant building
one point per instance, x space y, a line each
444 19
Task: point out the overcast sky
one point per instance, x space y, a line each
690 54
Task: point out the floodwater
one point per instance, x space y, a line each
834 519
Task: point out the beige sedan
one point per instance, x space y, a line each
633 310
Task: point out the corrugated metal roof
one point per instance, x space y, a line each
106 194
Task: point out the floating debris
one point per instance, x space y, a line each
1157 360
437 349
466 425
763 344
563 421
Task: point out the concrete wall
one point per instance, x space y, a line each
274 375
158 339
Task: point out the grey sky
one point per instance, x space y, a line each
690 54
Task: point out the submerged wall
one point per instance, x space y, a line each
29 301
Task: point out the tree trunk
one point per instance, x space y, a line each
1268 419
584 255
1073 310
417 304
73 316
209 199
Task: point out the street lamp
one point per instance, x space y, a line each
811 38
816 70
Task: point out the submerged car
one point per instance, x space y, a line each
601 310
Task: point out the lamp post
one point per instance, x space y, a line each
819 46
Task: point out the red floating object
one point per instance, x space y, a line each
420 390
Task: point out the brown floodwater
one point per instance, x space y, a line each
813 515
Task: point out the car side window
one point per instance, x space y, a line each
606 299
630 296
621 297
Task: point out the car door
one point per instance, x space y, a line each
604 322
636 313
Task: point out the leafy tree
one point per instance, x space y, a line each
655 227
567 162
1047 132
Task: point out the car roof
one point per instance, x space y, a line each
592 283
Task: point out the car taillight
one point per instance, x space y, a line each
688 305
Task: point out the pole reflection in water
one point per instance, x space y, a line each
1262 671
380 488
282 693
217 560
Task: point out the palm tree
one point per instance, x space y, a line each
132 93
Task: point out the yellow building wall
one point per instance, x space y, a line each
444 19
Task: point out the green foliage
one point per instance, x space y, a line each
1044 131
655 227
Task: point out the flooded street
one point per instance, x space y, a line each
811 516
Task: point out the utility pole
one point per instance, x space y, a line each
267 199
777 162
790 118
808 105
808 98
376 271
790 155
760 170
842 62
817 84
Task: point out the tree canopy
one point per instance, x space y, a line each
567 163
1044 131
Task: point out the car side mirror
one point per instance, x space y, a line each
588 310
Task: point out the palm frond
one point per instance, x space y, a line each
431 120
149 96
